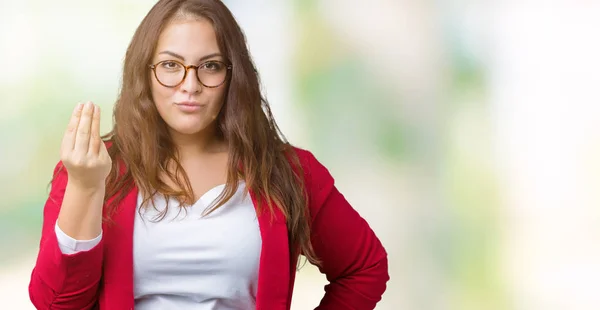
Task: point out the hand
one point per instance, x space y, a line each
83 152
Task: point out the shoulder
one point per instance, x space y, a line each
318 181
304 156
59 176
312 167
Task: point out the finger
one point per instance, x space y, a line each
103 154
82 137
95 139
68 141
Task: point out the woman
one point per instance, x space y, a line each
194 200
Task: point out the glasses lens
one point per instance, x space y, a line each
212 73
170 73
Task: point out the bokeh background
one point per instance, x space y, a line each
466 132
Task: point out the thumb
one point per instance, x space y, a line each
104 150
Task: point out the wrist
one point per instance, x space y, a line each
88 189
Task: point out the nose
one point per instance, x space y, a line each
190 83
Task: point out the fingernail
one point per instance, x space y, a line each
79 106
88 104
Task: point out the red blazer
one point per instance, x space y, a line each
353 259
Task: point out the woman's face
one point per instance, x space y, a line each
190 107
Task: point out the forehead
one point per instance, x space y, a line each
190 38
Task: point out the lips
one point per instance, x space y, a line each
189 107
189 103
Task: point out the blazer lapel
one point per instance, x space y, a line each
274 269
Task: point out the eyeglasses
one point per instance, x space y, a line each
171 73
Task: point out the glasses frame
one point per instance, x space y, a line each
228 67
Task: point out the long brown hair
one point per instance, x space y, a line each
142 149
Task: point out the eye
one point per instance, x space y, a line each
170 65
213 66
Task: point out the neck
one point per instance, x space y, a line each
202 143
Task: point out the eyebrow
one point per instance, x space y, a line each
182 58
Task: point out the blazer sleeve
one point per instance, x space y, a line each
352 257
63 281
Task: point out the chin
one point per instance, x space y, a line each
192 130
189 126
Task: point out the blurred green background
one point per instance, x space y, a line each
465 132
